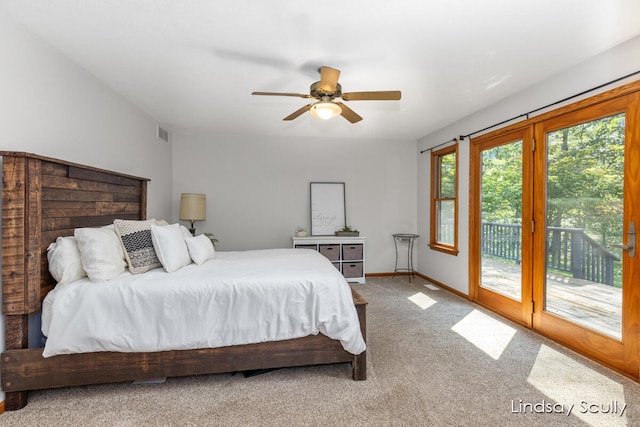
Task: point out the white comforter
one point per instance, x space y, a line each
236 298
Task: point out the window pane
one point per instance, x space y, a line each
448 176
444 217
445 226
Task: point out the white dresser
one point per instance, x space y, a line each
345 253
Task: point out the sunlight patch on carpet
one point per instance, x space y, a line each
421 300
488 334
432 287
564 381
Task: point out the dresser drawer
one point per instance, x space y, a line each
314 247
330 251
352 269
352 252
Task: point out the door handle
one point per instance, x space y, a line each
619 246
631 238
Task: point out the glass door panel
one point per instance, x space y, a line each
501 220
584 216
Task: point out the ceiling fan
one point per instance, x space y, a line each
328 89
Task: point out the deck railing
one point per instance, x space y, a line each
502 240
568 249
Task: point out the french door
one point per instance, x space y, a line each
554 208
501 227
586 170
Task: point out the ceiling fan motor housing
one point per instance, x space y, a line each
317 92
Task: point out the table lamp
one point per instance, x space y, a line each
193 208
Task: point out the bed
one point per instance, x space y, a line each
45 198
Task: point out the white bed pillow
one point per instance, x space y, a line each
65 264
185 232
100 252
113 228
170 246
200 248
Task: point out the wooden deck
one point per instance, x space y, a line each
590 304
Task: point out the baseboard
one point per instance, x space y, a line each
427 278
445 287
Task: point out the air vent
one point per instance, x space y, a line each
163 134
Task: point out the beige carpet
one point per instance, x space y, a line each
434 359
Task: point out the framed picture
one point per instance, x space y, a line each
328 213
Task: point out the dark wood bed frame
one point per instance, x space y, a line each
43 198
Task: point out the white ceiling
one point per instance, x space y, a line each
192 64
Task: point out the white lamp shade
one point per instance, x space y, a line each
193 207
325 110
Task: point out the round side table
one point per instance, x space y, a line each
409 239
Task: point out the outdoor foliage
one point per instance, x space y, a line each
502 184
448 175
584 181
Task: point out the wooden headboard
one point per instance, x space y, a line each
43 198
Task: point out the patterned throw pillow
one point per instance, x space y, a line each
138 245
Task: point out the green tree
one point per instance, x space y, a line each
502 184
585 165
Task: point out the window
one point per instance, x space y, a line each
444 200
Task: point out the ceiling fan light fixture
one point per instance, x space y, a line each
325 110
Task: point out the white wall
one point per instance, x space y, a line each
610 65
52 107
258 188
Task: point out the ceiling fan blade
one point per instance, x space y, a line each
348 113
297 95
298 112
387 95
328 79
